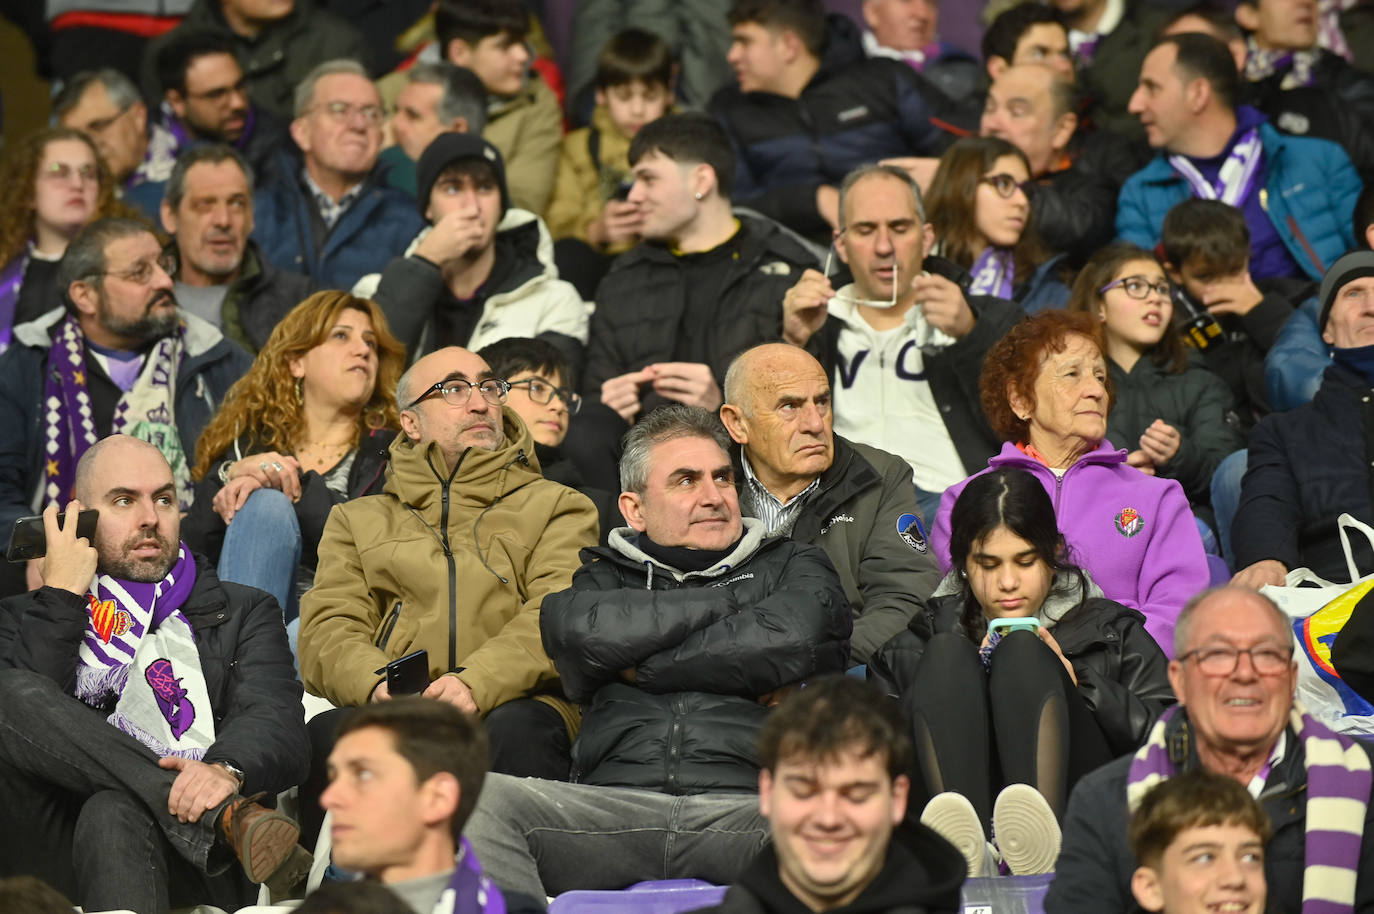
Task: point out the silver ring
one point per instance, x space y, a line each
263 466
277 466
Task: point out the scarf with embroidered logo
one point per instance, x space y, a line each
139 647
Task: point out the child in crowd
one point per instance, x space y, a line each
589 213
1222 312
524 118
1199 840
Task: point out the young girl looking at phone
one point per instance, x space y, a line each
1032 709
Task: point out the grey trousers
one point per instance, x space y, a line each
83 806
546 837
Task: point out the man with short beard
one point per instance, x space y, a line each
118 356
140 700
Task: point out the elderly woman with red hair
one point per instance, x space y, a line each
1046 391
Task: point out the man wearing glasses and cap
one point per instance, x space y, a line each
455 556
913 393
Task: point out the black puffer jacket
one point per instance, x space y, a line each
640 304
1122 674
704 646
1306 467
253 689
855 110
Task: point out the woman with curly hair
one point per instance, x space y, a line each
1037 707
981 217
306 428
1045 389
54 184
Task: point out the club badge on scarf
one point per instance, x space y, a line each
139 646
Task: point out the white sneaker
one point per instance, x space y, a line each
952 817
1026 831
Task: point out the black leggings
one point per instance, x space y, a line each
1021 722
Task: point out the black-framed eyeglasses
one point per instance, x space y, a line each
1005 185
1139 287
542 392
1222 661
143 271
457 391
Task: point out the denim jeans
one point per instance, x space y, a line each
262 548
83 806
1226 500
542 838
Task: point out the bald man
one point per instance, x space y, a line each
455 556
140 700
801 479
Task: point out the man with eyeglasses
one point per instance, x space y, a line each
455 557
326 210
205 99
1235 679
1297 193
482 269
118 356
105 105
277 42
903 344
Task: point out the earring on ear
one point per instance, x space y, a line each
300 391
698 195
963 573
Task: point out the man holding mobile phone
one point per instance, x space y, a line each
141 700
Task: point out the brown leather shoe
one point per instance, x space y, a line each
262 838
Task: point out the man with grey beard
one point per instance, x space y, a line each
115 356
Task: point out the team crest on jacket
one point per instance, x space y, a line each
1129 522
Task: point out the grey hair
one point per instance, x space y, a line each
1183 625
892 171
305 89
464 95
210 153
84 259
119 87
676 420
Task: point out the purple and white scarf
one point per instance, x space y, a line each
994 272
1261 64
146 411
469 891
1338 782
1237 176
139 646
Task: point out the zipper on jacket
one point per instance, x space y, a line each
389 625
452 577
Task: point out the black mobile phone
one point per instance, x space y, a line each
28 541
408 675
622 191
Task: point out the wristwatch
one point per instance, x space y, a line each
232 769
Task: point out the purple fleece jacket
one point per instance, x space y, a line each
1151 560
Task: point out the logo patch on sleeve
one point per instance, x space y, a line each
912 533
